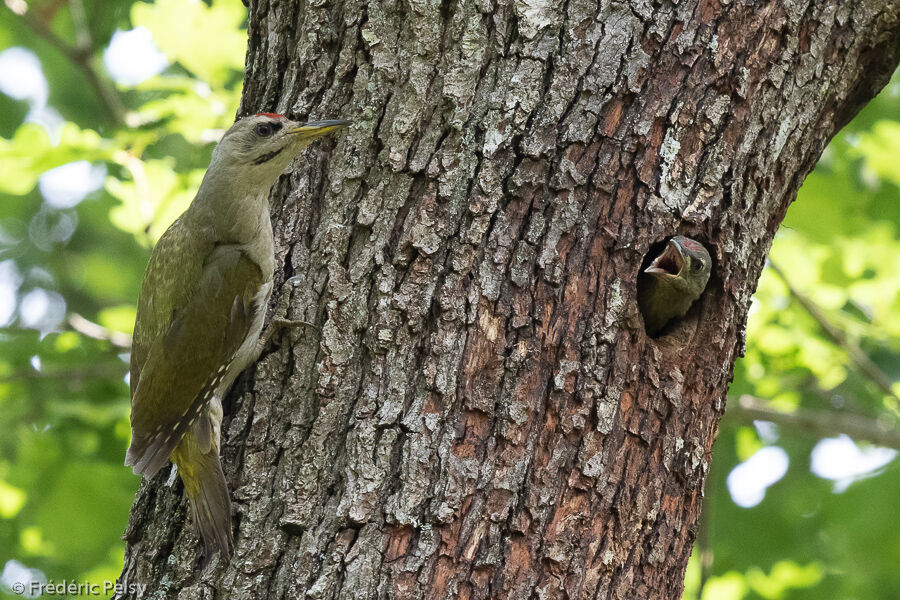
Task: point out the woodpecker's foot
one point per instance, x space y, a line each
276 329
280 325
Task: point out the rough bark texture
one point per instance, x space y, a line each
480 414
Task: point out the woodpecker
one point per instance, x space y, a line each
672 282
200 314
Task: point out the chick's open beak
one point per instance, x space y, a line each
316 129
670 262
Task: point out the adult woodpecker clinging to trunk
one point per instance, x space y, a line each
200 313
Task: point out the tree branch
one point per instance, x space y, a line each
99 332
820 423
86 327
80 56
97 372
862 361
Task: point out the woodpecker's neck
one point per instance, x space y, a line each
233 210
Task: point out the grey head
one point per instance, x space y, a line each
257 149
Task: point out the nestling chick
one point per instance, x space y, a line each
672 282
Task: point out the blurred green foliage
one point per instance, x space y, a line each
70 269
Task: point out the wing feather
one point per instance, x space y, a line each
186 363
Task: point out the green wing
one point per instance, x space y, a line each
184 350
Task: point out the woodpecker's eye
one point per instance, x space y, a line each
696 264
266 129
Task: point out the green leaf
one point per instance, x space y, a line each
784 576
880 148
747 443
206 40
154 198
730 586
118 318
12 499
31 152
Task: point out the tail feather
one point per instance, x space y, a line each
204 484
148 457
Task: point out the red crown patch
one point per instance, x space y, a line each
270 115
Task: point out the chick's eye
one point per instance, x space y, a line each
697 264
264 129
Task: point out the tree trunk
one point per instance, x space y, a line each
478 412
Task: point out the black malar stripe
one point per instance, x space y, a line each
267 156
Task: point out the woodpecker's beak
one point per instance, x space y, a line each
316 129
669 263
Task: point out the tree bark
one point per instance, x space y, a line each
478 412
